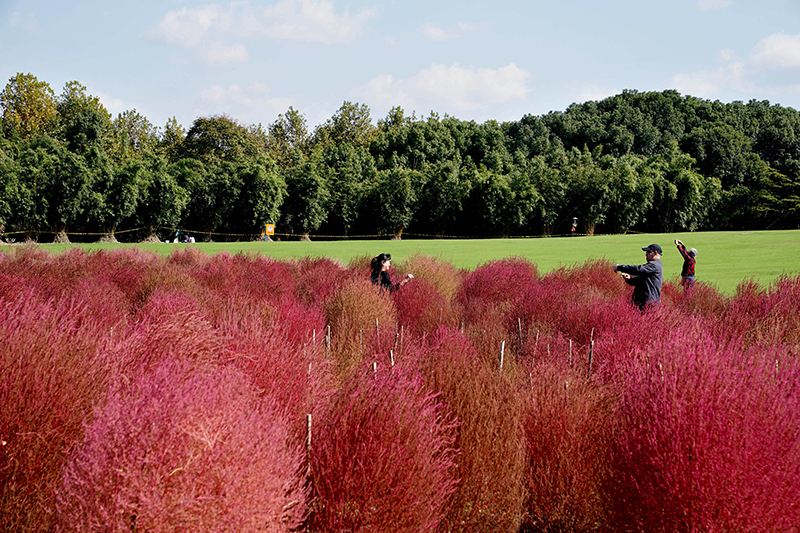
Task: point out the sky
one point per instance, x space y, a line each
491 60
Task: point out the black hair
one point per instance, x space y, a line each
377 262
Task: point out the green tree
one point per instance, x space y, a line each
683 198
289 133
442 198
351 124
115 195
392 200
491 205
307 197
631 188
60 184
131 135
347 170
13 197
220 139
84 121
162 200
172 139
263 194
588 188
29 107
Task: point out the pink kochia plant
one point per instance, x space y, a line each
184 448
381 456
709 439
52 372
491 460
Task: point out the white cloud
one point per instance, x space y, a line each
186 27
113 105
251 103
711 5
219 53
307 20
767 68
731 74
465 88
437 33
470 88
294 20
25 21
777 51
384 91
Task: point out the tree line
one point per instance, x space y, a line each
636 161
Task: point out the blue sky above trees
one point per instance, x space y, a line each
472 60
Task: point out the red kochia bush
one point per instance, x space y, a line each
567 428
422 309
184 449
381 456
316 279
352 313
765 317
494 284
491 443
52 372
280 363
709 441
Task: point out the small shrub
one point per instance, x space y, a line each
567 430
491 443
708 441
445 278
381 456
317 279
352 313
184 449
421 309
53 372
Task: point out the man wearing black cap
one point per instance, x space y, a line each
646 279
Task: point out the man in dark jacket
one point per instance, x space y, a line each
646 279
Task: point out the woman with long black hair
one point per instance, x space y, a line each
380 273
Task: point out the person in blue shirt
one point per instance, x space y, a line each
646 279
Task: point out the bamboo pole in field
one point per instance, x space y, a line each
328 342
569 358
308 444
391 357
519 326
591 357
502 349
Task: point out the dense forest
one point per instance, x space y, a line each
636 161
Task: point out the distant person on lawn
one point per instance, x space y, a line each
380 273
646 279
687 272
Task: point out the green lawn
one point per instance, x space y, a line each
724 258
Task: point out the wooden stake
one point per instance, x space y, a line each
569 360
502 349
591 357
308 444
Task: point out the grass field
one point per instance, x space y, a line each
724 259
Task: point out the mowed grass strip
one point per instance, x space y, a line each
724 260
